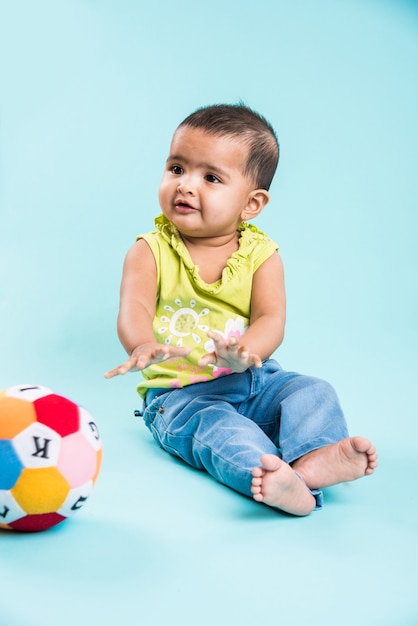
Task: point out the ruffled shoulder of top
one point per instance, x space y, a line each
167 230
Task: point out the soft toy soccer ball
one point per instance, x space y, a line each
50 457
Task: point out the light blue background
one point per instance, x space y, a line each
90 94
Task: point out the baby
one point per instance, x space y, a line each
203 308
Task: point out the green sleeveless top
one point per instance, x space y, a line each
187 307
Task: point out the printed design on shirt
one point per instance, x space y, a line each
181 322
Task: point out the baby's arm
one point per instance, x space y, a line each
136 313
266 330
268 309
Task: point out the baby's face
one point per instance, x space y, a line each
203 191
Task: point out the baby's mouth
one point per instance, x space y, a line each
184 206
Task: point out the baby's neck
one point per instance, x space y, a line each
211 254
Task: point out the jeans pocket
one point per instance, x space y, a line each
152 411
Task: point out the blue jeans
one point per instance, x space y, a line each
225 425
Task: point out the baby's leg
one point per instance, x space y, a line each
348 459
209 434
312 437
277 485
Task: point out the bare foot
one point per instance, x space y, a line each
339 462
277 485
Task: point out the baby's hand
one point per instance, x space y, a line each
145 355
229 354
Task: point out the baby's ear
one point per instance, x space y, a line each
257 200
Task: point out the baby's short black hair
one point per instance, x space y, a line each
238 120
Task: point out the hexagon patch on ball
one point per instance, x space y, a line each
50 457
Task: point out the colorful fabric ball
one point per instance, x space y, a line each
50 457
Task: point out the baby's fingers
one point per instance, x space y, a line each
122 369
217 339
208 359
255 359
233 345
250 358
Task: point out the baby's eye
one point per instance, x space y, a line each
176 169
211 178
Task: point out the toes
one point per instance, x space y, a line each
271 462
258 472
371 467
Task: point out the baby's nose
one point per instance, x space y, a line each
186 185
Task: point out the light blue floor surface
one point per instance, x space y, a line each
160 543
